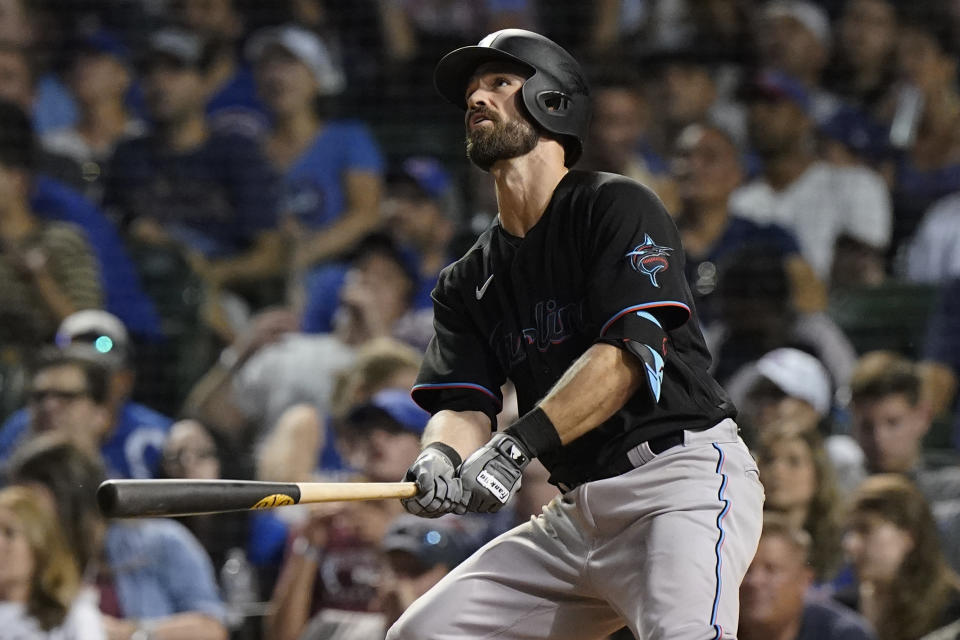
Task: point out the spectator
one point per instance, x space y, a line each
304 443
794 39
99 77
840 215
191 452
933 254
864 65
256 381
47 269
331 168
134 438
904 586
706 168
691 83
153 576
418 554
923 111
233 105
799 484
775 600
791 385
621 135
890 419
756 316
419 213
17 86
382 438
40 590
221 215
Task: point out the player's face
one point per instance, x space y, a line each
496 128
890 431
773 589
876 547
789 475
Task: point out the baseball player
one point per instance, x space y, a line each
576 293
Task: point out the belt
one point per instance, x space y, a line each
622 464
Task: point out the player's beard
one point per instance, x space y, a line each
486 145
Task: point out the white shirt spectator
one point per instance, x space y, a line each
934 253
83 621
822 205
300 368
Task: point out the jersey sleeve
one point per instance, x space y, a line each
459 371
635 267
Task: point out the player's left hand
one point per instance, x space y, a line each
491 475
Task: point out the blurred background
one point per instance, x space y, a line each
221 221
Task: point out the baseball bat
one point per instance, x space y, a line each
132 498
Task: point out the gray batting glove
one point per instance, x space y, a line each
491 475
440 491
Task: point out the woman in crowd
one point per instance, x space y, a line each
40 593
799 482
904 586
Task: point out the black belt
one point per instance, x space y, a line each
622 464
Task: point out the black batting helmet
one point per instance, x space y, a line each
556 94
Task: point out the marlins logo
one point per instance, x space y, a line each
650 258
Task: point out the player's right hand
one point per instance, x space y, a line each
435 473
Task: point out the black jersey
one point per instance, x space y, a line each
603 264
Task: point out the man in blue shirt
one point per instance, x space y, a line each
134 435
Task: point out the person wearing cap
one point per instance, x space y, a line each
334 554
133 437
204 195
99 76
233 105
794 38
840 215
418 554
706 167
332 168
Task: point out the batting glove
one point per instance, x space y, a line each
435 473
491 475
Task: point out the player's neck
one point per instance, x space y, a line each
526 184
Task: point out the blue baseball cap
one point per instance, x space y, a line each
394 404
432 542
771 84
102 41
426 173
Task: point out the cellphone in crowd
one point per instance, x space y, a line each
906 119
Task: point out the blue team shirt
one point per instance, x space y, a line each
124 296
235 108
132 451
214 199
313 188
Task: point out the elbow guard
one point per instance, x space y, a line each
651 358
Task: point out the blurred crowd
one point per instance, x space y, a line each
221 221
